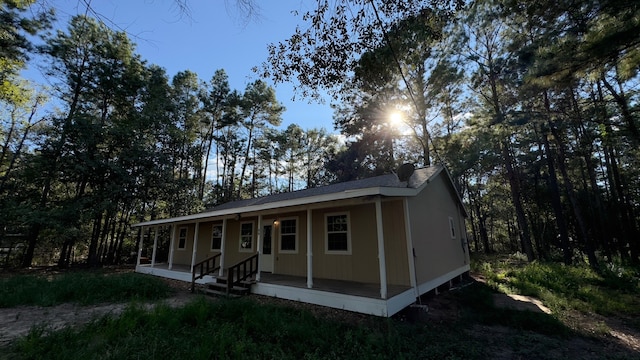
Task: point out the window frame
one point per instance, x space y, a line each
452 228
326 234
280 234
253 237
219 248
186 235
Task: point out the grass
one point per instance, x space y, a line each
244 328
614 290
84 288
238 329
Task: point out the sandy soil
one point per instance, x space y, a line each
18 321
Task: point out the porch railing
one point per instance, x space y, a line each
241 272
203 268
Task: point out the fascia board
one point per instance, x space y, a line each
348 194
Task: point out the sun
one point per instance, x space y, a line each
395 119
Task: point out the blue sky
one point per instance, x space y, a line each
213 35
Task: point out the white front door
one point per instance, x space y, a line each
266 258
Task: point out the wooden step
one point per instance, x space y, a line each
220 293
223 287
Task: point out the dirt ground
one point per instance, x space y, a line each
597 335
17 322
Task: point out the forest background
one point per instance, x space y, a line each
533 108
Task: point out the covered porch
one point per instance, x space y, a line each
346 295
354 277
183 272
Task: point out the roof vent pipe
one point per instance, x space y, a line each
405 171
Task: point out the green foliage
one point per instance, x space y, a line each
83 288
613 290
233 329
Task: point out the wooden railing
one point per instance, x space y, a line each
203 268
241 272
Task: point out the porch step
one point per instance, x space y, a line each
216 286
220 293
224 279
248 282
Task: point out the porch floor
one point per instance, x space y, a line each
334 286
329 285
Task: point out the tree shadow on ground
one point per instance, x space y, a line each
515 326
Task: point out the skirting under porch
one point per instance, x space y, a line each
346 295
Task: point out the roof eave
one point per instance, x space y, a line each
347 194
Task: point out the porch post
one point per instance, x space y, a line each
141 237
195 245
309 250
258 245
155 246
410 253
381 258
171 245
222 246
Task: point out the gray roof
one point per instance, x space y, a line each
385 185
417 179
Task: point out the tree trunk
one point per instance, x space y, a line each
581 224
93 259
516 198
556 202
247 152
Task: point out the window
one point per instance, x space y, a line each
338 237
216 237
288 236
452 227
182 238
246 236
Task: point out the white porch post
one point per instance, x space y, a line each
141 236
309 250
172 243
381 256
259 245
155 246
223 241
410 254
195 246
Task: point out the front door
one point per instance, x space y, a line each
266 258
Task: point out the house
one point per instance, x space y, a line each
370 246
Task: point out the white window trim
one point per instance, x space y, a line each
452 228
280 235
253 237
326 234
186 237
211 249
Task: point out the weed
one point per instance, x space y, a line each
84 288
232 329
613 290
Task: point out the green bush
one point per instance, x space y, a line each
85 288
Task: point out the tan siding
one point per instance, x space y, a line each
183 256
204 240
362 264
436 252
395 243
232 245
291 264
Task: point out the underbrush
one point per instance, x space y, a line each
84 288
613 290
241 328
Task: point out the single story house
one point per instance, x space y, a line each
371 246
